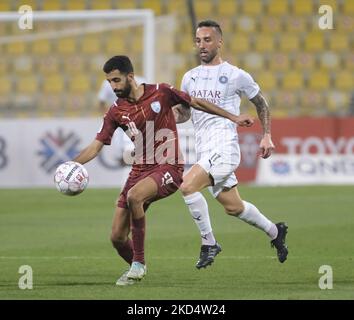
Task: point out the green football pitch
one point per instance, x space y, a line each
65 240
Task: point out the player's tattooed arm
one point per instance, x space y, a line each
263 111
181 113
266 146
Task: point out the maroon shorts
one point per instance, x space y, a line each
167 177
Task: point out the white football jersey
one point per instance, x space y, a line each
223 85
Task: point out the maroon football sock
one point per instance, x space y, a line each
125 250
138 235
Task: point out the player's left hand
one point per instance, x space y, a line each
244 120
266 146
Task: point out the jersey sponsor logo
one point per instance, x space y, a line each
210 95
223 79
206 94
156 106
166 179
58 148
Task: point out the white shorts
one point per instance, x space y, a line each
221 167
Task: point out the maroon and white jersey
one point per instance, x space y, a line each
149 123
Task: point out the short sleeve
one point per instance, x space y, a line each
247 85
176 96
107 129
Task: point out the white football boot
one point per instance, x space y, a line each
137 271
124 281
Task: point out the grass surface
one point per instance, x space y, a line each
66 242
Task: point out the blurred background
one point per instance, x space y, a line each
50 75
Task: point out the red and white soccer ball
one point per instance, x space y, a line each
71 178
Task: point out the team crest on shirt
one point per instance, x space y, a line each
223 79
156 106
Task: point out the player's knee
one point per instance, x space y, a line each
187 188
133 197
118 239
234 209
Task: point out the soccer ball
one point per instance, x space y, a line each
71 178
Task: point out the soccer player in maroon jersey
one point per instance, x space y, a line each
145 113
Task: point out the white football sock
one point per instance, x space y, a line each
198 208
208 239
254 217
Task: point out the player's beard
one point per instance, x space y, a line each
125 92
209 56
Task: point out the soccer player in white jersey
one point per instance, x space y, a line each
217 147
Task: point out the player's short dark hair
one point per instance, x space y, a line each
121 63
210 23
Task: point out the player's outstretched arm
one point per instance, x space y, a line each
181 113
204 105
263 112
90 152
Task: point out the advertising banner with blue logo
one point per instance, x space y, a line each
307 151
31 150
306 169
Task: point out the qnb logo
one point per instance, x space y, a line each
281 167
57 148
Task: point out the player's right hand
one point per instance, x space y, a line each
244 120
266 146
